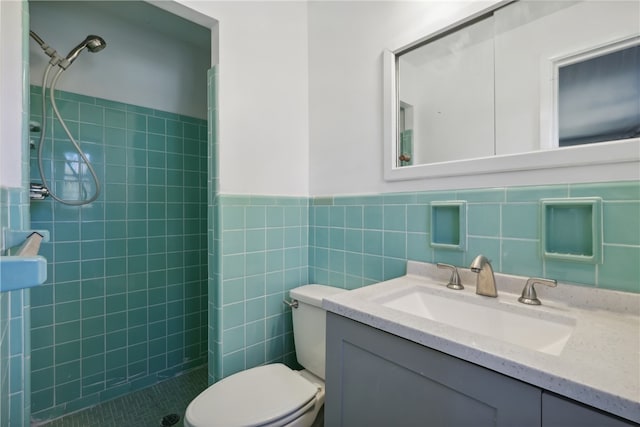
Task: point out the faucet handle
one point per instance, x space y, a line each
454 281
529 295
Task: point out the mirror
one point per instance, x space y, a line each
524 85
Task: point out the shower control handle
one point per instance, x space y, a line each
38 191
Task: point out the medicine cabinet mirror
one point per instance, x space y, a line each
524 85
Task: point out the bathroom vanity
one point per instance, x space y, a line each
394 360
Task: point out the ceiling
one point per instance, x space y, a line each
146 15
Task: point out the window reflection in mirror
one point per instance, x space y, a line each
485 88
599 98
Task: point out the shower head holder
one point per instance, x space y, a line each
48 50
55 59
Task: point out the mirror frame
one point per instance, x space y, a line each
548 157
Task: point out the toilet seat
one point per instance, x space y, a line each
264 396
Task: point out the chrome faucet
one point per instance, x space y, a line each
529 295
486 282
454 281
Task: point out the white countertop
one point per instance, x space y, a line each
599 365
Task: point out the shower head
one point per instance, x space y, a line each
95 43
92 42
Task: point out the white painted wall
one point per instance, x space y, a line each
10 94
346 40
139 66
263 96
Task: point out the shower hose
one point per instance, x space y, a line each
71 139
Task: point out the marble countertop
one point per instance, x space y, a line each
599 365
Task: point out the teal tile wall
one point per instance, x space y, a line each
5 318
125 304
14 324
262 254
214 362
4 356
261 247
358 240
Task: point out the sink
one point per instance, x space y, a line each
490 318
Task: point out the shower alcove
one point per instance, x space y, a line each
125 303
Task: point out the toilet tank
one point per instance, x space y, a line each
309 326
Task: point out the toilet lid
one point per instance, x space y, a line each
251 398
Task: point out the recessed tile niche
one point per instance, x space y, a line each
572 229
449 225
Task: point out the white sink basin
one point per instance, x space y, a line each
488 318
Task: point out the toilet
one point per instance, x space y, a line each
274 395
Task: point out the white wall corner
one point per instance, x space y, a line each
11 94
263 96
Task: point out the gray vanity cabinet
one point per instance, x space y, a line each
378 379
561 412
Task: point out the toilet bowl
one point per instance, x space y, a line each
274 395
270 395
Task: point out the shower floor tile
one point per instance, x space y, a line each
143 408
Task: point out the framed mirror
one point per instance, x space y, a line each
522 85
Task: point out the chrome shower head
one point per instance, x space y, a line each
92 42
95 43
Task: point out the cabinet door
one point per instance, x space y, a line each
561 412
378 379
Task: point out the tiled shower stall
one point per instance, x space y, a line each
125 303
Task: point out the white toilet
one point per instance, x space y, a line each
274 395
